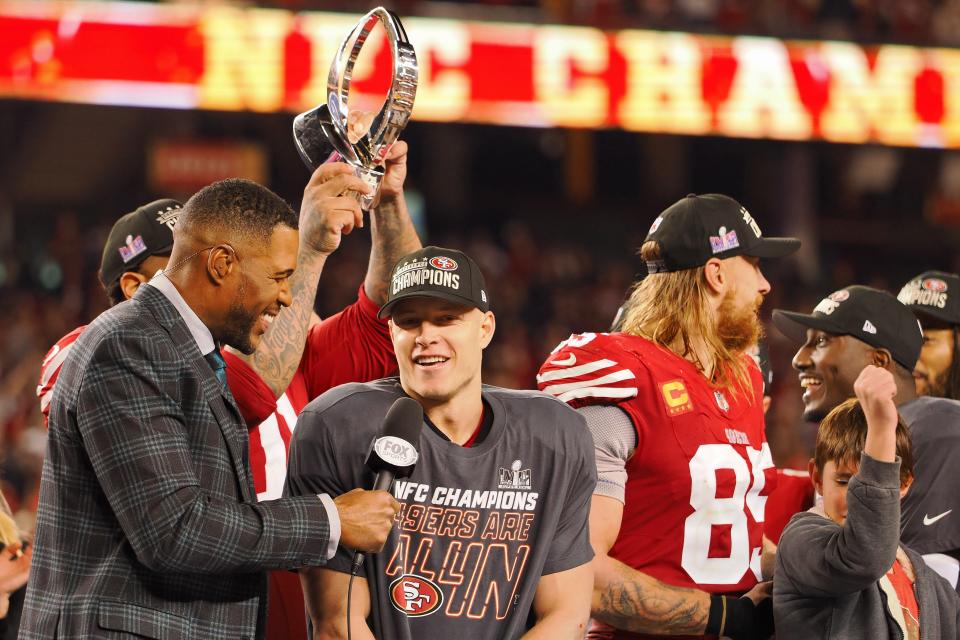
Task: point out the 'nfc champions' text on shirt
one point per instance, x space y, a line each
465 498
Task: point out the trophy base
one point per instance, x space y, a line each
371 177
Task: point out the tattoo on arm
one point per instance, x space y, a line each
393 236
635 602
281 347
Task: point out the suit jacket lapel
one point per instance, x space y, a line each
221 400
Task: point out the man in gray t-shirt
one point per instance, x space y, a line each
492 538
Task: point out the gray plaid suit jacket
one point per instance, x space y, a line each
148 523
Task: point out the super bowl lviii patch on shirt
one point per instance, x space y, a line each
478 526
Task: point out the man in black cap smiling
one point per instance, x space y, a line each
933 297
859 326
493 520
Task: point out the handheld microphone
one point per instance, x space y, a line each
395 451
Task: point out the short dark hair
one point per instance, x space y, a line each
843 434
952 383
115 292
245 208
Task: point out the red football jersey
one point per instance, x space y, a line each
698 480
50 369
794 493
350 346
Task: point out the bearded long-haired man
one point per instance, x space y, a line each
675 408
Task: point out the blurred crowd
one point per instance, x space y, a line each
911 21
926 22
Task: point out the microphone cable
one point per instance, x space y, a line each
392 455
354 570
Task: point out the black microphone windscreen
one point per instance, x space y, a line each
404 420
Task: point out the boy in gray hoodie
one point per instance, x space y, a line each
841 572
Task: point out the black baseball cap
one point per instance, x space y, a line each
868 314
697 228
145 232
933 295
437 272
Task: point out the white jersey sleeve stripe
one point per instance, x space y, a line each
599 392
45 401
616 376
574 372
52 366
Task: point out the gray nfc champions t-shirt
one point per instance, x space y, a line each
930 512
478 526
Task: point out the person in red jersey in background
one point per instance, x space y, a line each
794 488
675 407
299 357
138 246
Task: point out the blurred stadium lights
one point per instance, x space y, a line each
268 60
180 167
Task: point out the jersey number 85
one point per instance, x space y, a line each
710 511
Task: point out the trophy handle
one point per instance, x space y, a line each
321 133
398 104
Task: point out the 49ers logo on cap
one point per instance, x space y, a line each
934 284
415 595
443 263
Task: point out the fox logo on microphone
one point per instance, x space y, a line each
395 451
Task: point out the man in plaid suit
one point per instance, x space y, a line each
148 523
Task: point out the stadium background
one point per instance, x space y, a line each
544 149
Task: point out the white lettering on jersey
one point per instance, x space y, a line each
709 510
735 436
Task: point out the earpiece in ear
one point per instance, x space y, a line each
219 262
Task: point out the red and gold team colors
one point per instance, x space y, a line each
698 480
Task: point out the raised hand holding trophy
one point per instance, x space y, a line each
330 132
